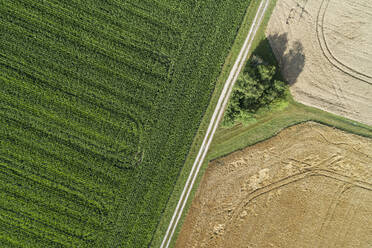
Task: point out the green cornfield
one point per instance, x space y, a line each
99 104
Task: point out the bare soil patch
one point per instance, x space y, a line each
336 37
309 186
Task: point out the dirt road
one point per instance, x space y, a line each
217 115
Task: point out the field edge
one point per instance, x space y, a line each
250 13
239 137
229 62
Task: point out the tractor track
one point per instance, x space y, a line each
327 52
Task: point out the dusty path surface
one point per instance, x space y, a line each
335 38
310 186
216 117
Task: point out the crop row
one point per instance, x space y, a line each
86 48
103 25
99 104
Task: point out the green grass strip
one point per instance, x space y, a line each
268 122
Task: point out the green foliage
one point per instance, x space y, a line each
99 104
256 87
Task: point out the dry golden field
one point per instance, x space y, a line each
309 186
334 39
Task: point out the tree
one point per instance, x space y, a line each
255 88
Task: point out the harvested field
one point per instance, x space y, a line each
309 186
335 38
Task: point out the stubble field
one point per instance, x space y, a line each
334 39
309 186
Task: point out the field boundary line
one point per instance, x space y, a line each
217 115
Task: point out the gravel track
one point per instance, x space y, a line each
217 115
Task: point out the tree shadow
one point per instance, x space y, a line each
275 50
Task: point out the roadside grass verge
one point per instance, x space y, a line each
100 102
229 63
241 35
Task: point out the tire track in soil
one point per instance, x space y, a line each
327 52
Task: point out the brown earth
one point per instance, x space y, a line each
309 186
334 38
